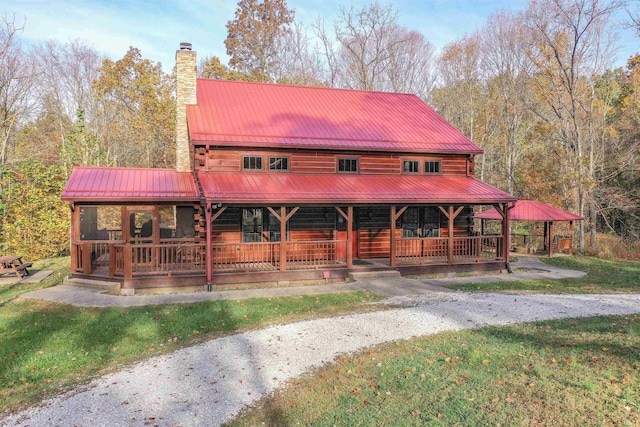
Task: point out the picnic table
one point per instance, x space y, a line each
14 264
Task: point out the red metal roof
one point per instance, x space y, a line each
268 115
531 210
101 184
284 188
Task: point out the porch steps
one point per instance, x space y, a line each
391 274
112 288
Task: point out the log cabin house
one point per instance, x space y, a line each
281 183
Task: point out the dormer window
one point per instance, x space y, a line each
411 166
252 163
432 166
278 163
347 165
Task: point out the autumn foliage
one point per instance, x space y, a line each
533 88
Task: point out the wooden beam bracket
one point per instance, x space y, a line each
400 212
218 213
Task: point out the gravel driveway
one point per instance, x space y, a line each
208 384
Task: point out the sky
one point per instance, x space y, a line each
158 27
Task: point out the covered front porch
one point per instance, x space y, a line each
243 244
272 228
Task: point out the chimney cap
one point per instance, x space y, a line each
185 46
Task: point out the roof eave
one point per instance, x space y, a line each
314 202
209 143
128 199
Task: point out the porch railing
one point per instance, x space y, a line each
412 251
421 250
265 256
157 259
250 256
79 250
118 259
318 253
478 248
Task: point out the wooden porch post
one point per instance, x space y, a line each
550 238
395 215
392 249
127 254
348 216
544 238
450 229
283 238
571 235
208 251
209 242
507 234
349 236
283 218
451 216
72 236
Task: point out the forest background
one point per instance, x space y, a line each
534 88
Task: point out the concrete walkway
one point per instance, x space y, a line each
526 268
208 384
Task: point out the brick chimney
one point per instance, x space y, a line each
185 95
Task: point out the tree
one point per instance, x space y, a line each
252 36
82 147
634 16
35 221
506 69
460 96
211 67
137 99
570 44
297 63
17 77
64 87
368 50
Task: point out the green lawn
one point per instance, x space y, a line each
603 276
572 372
48 347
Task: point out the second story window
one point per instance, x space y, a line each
252 163
278 163
432 166
410 166
347 165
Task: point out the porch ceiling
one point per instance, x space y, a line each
283 188
102 184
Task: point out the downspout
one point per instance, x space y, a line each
209 261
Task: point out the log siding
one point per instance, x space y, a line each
222 160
